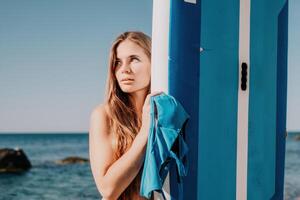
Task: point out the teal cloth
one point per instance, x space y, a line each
166 145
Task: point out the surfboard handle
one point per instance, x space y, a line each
244 76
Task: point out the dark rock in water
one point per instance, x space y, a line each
297 138
72 160
13 160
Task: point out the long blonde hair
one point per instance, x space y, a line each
123 119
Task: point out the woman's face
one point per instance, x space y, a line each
132 67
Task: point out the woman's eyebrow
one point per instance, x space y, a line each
130 56
133 56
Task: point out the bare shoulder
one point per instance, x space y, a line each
99 119
99 111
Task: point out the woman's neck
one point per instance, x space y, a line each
138 99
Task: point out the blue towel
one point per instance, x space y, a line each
166 145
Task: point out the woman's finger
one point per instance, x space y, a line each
147 100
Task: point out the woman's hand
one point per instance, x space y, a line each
146 110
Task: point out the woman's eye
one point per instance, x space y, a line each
117 63
135 59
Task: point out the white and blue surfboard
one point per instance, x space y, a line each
226 62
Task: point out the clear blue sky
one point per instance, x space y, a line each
53 59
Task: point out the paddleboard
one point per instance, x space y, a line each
226 62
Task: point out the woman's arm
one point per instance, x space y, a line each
112 178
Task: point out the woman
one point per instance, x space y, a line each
119 127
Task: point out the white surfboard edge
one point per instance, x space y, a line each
243 102
159 61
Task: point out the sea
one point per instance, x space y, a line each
46 179
50 181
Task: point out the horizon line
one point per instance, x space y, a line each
43 132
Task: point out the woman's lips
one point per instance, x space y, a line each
127 81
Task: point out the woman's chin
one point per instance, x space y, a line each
131 89
127 89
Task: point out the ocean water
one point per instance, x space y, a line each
50 181
292 168
46 179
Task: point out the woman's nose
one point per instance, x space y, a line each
126 68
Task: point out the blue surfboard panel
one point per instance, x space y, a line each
263 107
218 91
282 60
184 44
